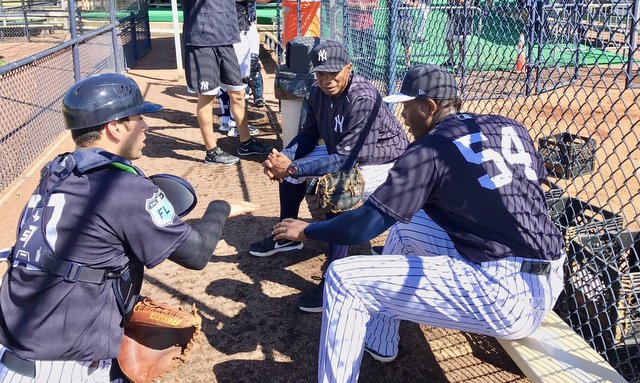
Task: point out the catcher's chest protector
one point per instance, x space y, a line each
33 249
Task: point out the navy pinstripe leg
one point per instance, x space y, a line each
366 296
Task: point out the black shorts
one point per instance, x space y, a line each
456 23
210 68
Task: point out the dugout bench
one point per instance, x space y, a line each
554 353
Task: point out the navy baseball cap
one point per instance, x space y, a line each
329 56
425 81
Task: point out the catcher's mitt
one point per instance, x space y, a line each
157 338
340 191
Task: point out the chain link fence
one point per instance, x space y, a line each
568 70
42 52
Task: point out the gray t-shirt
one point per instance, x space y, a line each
210 23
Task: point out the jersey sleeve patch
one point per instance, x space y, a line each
160 209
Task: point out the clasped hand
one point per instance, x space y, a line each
275 166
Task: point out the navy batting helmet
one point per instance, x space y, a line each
101 98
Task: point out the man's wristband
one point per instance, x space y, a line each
292 171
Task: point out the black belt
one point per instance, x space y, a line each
18 365
535 267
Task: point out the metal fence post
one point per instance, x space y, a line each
26 21
465 31
134 35
74 37
393 43
632 45
114 35
299 18
345 23
530 44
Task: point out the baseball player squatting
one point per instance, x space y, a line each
90 227
339 110
474 249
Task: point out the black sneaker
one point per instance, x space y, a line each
268 247
218 156
377 250
253 146
448 64
311 301
259 103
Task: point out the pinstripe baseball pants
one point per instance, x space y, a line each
60 371
429 283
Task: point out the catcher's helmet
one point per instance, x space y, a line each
101 98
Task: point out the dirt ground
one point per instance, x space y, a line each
253 331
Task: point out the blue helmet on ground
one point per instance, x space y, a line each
101 98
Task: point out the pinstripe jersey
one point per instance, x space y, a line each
99 217
340 120
476 176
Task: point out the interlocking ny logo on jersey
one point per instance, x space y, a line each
160 209
339 121
204 85
322 55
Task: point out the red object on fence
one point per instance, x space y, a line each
309 19
521 60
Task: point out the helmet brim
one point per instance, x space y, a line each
150 107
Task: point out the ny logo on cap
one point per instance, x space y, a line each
421 92
322 55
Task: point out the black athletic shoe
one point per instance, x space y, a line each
253 146
311 301
259 103
268 247
217 156
377 250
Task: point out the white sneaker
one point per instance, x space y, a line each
233 132
224 128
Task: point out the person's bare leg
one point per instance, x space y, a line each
204 112
239 113
407 56
450 51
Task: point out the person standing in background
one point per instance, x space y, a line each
363 35
210 29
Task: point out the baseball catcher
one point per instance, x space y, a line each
91 227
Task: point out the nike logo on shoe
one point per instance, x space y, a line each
277 245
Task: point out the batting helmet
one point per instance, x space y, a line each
101 98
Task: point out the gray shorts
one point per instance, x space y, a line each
209 68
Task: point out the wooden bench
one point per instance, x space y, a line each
272 40
554 353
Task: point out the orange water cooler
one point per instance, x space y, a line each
309 16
